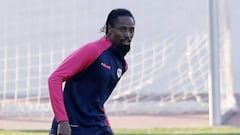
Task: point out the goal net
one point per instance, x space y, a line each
168 62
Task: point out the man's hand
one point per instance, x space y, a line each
64 128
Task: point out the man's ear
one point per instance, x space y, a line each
110 29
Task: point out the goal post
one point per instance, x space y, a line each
214 77
220 71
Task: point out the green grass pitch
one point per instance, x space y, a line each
154 131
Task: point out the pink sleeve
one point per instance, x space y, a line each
76 62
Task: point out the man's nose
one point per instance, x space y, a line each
127 34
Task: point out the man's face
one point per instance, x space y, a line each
122 32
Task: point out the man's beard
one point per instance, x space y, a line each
124 49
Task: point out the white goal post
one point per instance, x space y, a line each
216 117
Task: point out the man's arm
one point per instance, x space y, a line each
76 62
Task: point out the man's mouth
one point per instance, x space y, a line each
126 42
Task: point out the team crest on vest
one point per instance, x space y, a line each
119 72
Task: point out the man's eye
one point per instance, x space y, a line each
122 29
131 30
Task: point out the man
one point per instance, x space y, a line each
91 73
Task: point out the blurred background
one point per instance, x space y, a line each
168 63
